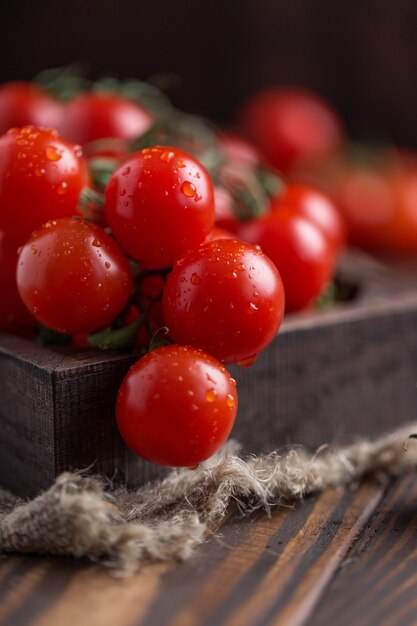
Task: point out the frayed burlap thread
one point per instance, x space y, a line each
83 516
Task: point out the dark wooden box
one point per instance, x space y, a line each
329 377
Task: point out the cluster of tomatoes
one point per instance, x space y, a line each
104 244
373 186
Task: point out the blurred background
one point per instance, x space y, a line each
360 54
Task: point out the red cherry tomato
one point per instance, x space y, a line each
302 254
159 204
73 277
316 207
23 104
376 192
225 297
288 125
92 116
379 205
41 178
14 316
176 406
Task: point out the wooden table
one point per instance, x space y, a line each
341 558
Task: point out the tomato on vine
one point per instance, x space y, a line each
159 204
225 297
176 406
23 104
288 125
317 207
304 257
73 277
93 116
41 178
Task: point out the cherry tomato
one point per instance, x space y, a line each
92 116
288 125
225 297
159 204
316 207
176 406
376 192
380 206
14 316
301 252
23 104
73 277
41 178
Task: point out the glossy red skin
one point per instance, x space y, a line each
23 104
289 124
316 207
149 211
73 277
227 298
92 116
14 316
176 406
300 251
41 178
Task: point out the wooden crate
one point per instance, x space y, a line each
329 377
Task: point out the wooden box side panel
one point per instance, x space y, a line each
331 384
27 426
86 434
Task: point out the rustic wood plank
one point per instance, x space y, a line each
378 584
257 570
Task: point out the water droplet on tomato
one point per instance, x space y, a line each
167 156
52 153
195 279
181 164
211 395
39 171
230 401
21 155
97 243
123 192
240 267
107 265
126 171
253 307
232 380
188 189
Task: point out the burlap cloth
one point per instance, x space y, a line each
84 516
